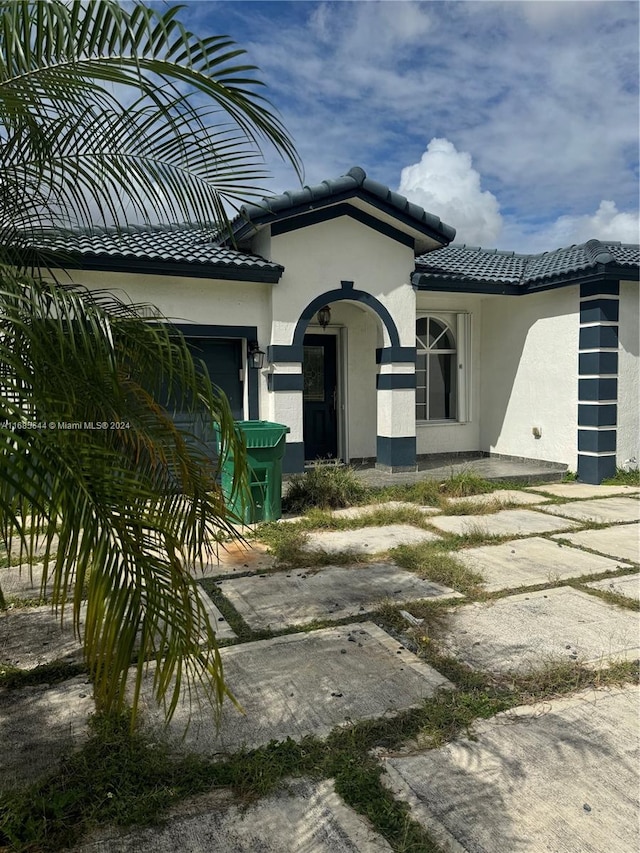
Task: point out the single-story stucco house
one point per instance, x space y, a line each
385 342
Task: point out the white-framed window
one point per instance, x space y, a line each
442 342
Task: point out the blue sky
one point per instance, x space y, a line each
516 122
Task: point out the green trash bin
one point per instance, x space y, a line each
265 442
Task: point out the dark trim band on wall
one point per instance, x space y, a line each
249 333
597 288
596 440
396 355
597 389
396 453
599 311
599 337
285 353
395 381
293 461
598 364
354 296
595 469
605 414
325 214
285 381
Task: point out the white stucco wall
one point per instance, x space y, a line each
529 354
455 436
316 259
194 300
628 369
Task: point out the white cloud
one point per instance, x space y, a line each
607 223
445 183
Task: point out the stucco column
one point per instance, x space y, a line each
598 381
285 386
396 403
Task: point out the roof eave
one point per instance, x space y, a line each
183 269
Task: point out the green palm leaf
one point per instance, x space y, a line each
112 115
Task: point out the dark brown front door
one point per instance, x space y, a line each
320 397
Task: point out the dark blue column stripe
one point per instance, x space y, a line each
396 355
397 453
599 310
285 381
595 288
293 461
393 381
596 363
599 337
594 415
597 389
596 440
283 353
595 469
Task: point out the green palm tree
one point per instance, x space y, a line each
110 116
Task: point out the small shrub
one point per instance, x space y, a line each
324 486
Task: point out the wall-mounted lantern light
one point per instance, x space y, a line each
324 316
255 355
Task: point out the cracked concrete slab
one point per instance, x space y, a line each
529 630
40 725
626 585
528 562
303 816
368 509
301 684
621 542
601 511
35 636
506 522
333 592
583 490
512 496
560 775
368 540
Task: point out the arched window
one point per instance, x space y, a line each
436 370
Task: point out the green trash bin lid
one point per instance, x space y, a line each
262 433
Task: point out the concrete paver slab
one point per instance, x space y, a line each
526 631
583 490
360 511
528 562
235 558
302 817
368 540
333 592
621 542
506 522
512 496
558 776
40 725
627 585
302 684
31 637
21 581
600 511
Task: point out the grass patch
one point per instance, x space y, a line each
325 485
433 563
624 478
123 778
